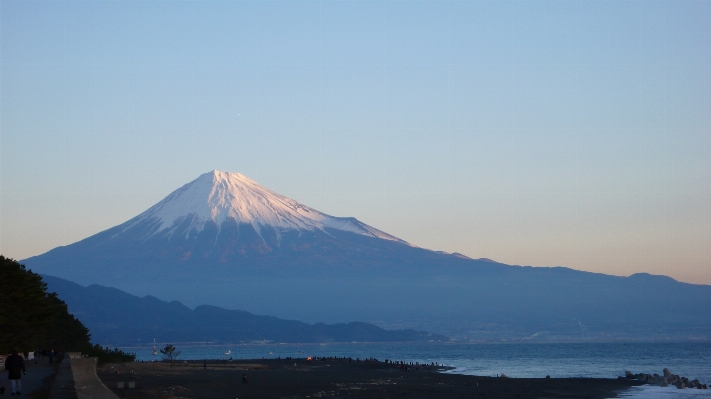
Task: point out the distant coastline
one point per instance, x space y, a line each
524 360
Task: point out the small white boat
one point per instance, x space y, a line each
229 352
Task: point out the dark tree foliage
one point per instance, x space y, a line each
170 353
65 331
107 355
30 317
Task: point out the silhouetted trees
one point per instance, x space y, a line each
170 353
31 318
107 355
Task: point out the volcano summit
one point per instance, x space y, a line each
224 240
218 198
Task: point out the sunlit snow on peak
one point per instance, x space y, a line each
217 196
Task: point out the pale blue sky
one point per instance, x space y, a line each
538 133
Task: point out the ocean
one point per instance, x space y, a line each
536 360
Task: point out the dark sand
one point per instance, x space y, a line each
336 379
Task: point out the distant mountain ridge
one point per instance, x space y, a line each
223 240
115 317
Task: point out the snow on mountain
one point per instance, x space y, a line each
218 196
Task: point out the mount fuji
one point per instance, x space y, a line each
218 198
224 240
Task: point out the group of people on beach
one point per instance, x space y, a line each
402 365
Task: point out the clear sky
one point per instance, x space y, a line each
535 133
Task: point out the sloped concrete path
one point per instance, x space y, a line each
62 386
86 383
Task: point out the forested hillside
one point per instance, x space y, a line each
32 318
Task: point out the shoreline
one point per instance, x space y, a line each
493 342
297 378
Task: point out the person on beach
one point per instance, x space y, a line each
15 368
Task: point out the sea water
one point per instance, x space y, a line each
535 360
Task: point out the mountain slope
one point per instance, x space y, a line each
118 318
216 197
223 240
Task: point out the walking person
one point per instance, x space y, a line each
15 368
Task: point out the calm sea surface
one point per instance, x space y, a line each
604 360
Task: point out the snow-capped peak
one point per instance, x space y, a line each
217 196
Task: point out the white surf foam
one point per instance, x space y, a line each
655 392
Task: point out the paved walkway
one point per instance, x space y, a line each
31 381
73 379
87 383
62 386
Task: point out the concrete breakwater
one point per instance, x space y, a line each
666 379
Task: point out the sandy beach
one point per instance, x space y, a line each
335 378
